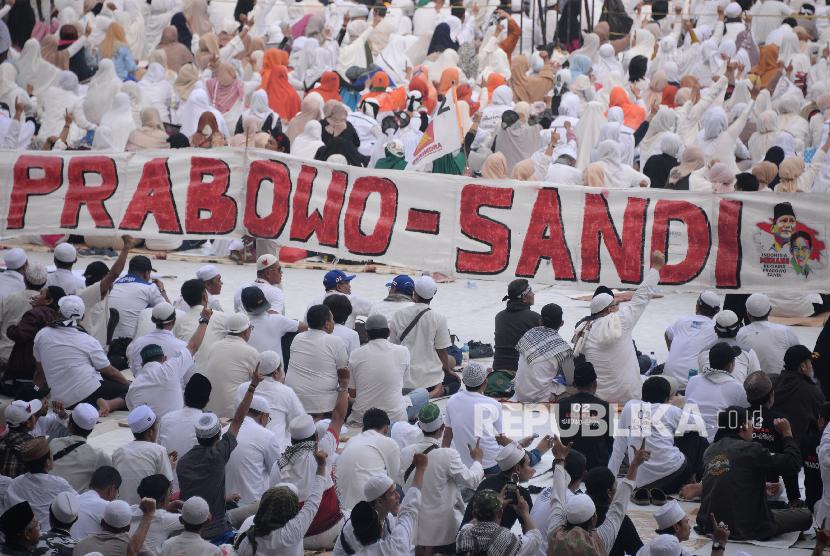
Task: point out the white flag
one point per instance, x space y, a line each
443 134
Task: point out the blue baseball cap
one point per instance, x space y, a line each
334 277
403 284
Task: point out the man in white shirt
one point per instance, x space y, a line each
445 478
727 326
164 317
543 356
316 358
424 332
177 431
103 488
341 310
65 258
74 365
164 523
269 326
688 336
195 513
769 340
378 372
366 455
14 306
133 293
230 363
472 417
256 452
283 403
11 279
141 457
269 280
401 289
212 280
715 388
72 457
337 281
770 15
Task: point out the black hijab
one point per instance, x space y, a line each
441 40
658 167
21 21
338 145
637 68
180 23
776 156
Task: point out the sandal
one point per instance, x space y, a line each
640 497
658 497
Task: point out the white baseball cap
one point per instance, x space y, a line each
207 272
65 507
85 416
425 287
71 307
117 514
19 411
264 261
66 253
15 258
237 323
140 419
195 511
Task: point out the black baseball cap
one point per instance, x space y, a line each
722 354
254 300
141 264
584 374
796 355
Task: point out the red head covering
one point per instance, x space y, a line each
282 98
329 87
418 84
465 93
494 81
633 114
380 81
449 77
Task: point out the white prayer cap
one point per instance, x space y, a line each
269 362
301 426
85 416
117 514
579 509
66 253
207 272
258 403
405 434
757 305
473 375
669 514
290 486
195 511
164 312
709 299
376 487
566 150
141 418
207 426
665 545
733 9
358 11
725 321
601 302
237 323
15 258
264 261
71 307
20 411
65 507
509 456
425 287
36 274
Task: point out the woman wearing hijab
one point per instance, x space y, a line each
719 179
183 33
633 114
622 135
690 161
156 91
765 135
719 139
523 171
794 178
393 156
197 16
637 73
33 70
207 53
177 53
268 120
662 123
617 174
449 79
207 135
590 47
115 47
186 80
62 97
335 124
588 132
494 167
568 31
594 175
306 144
81 62
191 112
150 135
101 91
659 166
310 109
765 172
580 65
790 119
112 133
526 88
282 98
765 73
329 87
337 146
441 39
226 93
49 52
515 139
775 155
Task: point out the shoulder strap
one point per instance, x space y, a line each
411 467
68 450
411 325
347 548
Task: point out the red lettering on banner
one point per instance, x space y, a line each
377 242
271 225
209 196
153 195
327 225
79 193
626 252
24 186
485 230
545 239
729 256
698 235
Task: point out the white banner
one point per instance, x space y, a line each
450 224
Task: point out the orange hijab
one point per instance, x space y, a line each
449 77
329 87
633 114
418 84
494 81
465 93
767 67
282 98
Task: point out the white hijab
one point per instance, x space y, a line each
259 108
305 145
102 89
587 132
197 104
115 127
33 70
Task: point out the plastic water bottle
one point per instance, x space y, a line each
465 353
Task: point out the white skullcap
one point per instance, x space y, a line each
66 253
376 487
207 426
565 150
85 416
405 434
509 456
269 362
117 514
301 426
164 312
473 375
141 418
710 299
665 545
601 302
207 272
71 307
726 319
36 274
15 258
264 261
425 287
668 515
195 511
757 305
358 11
579 509
733 9
237 323
290 486
65 507
258 403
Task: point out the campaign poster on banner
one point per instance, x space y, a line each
443 134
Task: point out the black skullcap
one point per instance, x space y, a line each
16 519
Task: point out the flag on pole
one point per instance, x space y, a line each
443 134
